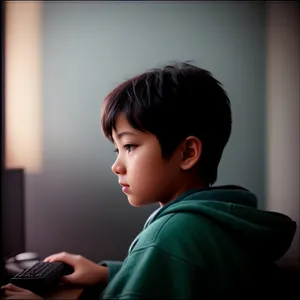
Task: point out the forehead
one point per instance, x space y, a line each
122 124
123 128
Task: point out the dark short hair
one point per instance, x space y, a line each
173 103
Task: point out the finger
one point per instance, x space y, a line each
65 257
19 296
8 293
12 287
23 297
54 256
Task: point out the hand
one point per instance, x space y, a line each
14 292
85 272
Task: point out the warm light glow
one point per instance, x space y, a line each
23 85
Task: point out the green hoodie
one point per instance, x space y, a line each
206 242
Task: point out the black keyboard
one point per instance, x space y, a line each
40 278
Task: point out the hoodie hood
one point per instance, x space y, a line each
267 234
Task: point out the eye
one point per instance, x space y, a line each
116 150
129 147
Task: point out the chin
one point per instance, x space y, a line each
137 202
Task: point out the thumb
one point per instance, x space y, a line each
70 279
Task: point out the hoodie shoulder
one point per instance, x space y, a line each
182 235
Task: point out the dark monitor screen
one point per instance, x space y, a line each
13 229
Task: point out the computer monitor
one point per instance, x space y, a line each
13 224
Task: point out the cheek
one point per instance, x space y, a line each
151 176
144 168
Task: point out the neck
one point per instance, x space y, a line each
187 186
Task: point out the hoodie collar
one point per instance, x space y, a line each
191 192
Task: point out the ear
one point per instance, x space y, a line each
191 152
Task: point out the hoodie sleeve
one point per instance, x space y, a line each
113 268
152 273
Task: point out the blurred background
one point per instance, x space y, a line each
63 58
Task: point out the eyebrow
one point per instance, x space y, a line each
124 133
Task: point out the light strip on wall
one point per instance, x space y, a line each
282 91
23 85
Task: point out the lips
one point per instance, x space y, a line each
125 187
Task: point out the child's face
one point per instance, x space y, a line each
145 176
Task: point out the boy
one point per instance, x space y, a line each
169 127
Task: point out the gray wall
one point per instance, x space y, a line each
75 204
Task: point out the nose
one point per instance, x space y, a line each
118 167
